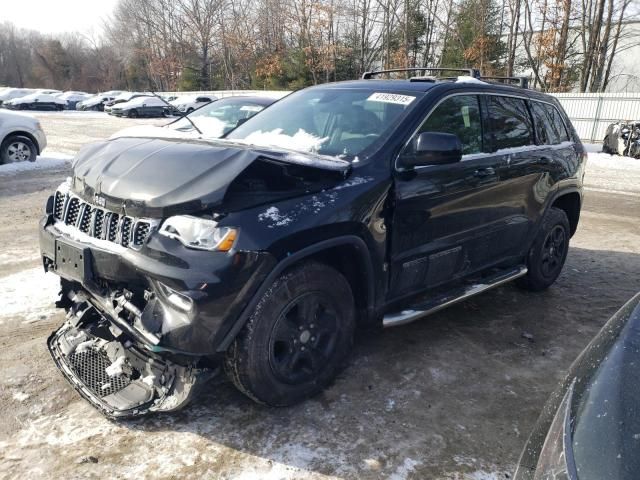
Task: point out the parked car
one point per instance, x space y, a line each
590 427
11 93
36 101
122 98
73 98
212 121
371 202
140 106
97 102
189 103
21 137
623 138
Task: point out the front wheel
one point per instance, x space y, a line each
548 253
17 149
133 114
297 338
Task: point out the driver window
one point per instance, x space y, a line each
458 115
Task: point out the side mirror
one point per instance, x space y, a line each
432 148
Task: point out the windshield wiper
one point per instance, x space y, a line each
183 115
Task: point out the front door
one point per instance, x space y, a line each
449 219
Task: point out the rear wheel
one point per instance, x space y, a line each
548 253
16 148
297 338
605 146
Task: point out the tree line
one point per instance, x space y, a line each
169 45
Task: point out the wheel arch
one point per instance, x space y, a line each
22 133
338 253
570 202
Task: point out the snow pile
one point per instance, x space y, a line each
611 173
301 140
51 160
30 294
468 79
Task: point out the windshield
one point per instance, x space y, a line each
219 117
327 121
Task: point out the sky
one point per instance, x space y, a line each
55 16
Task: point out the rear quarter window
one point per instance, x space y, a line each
511 124
550 128
557 123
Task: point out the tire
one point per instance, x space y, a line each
283 356
548 253
133 114
605 147
16 148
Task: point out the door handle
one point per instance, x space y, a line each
484 172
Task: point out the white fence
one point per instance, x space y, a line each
590 113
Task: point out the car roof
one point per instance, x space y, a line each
442 85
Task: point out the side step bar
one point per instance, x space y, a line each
449 298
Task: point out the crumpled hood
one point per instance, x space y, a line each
154 177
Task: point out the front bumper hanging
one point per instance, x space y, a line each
113 373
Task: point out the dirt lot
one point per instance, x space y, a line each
452 396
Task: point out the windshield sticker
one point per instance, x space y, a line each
251 108
391 98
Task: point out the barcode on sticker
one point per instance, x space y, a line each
391 98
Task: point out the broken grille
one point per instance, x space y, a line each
100 223
90 367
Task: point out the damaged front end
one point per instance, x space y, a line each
113 372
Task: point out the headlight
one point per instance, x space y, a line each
199 233
556 457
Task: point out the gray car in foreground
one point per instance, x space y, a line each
590 427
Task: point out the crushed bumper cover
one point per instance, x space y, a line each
114 374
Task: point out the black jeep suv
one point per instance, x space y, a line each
371 201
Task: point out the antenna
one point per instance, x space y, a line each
183 115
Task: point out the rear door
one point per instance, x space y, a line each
535 171
448 219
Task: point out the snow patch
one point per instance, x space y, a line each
353 182
75 234
468 79
301 140
117 367
30 294
51 160
20 396
273 215
84 346
403 471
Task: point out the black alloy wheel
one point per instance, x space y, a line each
303 338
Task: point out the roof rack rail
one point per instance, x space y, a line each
522 82
472 72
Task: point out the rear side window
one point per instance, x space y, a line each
458 115
550 129
510 122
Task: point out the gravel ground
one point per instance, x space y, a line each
452 396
